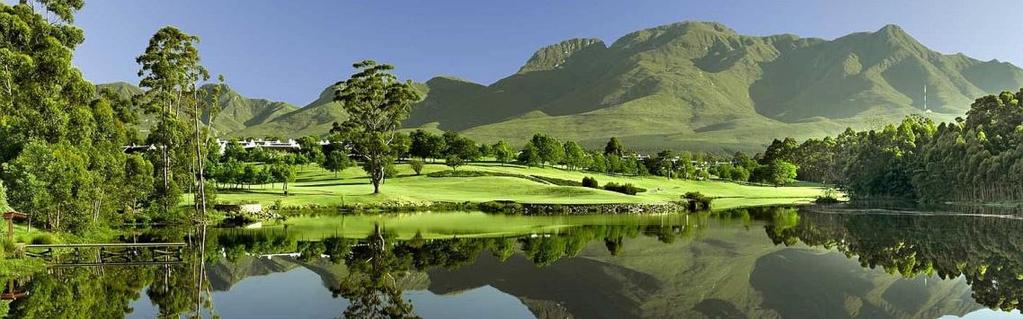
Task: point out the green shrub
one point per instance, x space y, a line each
390 171
627 188
830 197
460 174
4 207
590 182
43 239
500 207
697 201
417 166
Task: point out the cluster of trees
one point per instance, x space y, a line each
236 174
978 158
238 167
61 141
543 150
763 168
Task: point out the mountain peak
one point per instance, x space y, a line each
447 78
703 26
892 31
554 56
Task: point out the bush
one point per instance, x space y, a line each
628 189
460 174
697 201
43 239
4 207
830 197
500 207
417 166
590 182
390 171
454 161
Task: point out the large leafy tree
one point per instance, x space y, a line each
282 173
548 148
40 90
575 156
502 152
427 145
376 103
53 184
614 147
171 72
461 146
336 161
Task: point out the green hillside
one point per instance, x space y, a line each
698 84
316 118
692 85
236 111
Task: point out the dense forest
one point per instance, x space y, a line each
978 158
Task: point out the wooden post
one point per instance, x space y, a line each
10 217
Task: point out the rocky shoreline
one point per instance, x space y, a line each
584 209
505 207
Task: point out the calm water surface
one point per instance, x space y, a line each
767 262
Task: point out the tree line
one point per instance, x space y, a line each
977 158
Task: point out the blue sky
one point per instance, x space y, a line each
290 50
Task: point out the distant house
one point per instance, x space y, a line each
289 145
132 149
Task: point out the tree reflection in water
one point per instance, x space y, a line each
378 268
984 247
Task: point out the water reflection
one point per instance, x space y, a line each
755 262
985 249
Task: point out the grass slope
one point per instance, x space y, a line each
316 186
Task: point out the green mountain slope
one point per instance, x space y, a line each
697 84
236 111
316 118
692 85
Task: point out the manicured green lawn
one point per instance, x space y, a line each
316 186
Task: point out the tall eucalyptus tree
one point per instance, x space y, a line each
376 103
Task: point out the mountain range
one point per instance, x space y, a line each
689 85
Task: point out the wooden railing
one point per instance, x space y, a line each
109 254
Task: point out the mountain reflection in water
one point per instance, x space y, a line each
787 262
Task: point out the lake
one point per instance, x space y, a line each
763 262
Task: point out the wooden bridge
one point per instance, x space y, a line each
114 254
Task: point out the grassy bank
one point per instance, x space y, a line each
440 225
316 186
